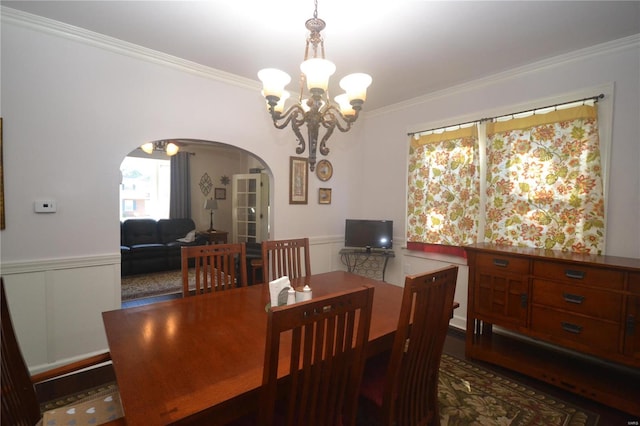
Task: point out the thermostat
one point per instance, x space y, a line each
45 206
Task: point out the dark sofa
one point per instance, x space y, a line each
147 245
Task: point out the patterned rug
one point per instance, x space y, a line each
148 285
471 395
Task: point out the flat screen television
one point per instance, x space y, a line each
369 234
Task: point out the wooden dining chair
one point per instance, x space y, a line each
327 337
20 405
215 267
285 257
402 387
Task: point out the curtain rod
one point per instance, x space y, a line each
594 98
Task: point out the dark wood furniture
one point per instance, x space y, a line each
568 319
189 359
324 358
216 267
20 405
406 391
216 237
285 257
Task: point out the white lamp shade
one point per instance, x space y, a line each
211 204
273 81
356 86
172 149
317 72
280 105
345 107
147 147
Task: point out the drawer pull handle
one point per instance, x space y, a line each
571 328
501 262
578 275
573 298
631 325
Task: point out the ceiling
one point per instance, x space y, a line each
409 47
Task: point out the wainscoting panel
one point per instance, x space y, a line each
57 306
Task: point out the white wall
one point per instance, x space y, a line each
73 109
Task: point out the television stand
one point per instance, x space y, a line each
361 260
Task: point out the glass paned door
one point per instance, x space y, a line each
250 203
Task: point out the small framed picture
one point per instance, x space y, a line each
324 196
220 194
298 180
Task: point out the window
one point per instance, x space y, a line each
541 180
144 190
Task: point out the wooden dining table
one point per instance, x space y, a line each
199 359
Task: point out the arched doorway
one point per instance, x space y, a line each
211 165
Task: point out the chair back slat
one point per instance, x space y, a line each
285 257
215 267
324 340
19 402
411 388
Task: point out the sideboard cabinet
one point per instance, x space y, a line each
568 319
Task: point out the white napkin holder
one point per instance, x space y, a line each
279 291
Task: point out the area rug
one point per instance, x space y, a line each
148 285
471 395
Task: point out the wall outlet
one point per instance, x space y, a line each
45 206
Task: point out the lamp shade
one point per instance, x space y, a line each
273 81
147 147
356 86
317 72
280 105
345 107
172 149
211 204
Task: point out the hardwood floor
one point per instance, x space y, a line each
454 345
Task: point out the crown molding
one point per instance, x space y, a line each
60 29
631 42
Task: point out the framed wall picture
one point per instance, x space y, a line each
298 180
220 193
324 196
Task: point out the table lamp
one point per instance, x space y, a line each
211 205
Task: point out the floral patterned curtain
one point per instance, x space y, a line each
544 182
443 188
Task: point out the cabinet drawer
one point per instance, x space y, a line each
582 300
517 265
600 277
587 334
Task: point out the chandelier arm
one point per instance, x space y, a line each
295 126
330 126
337 116
291 115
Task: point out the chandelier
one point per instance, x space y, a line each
169 147
317 110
